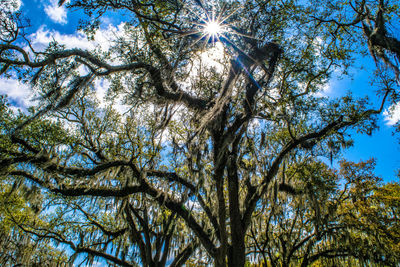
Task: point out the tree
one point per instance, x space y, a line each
202 146
20 204
322 222
91 222
373 20
300 225
370 212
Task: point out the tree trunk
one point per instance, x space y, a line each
237 256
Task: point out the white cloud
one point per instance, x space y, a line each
97 264
101 86
19 94
254 124
18 4
214 57
193 205
43 36
103 38
83 70
324 91
10 5
392 114
56 13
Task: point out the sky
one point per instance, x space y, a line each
383 144
48 22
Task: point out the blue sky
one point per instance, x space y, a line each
50 21
383 144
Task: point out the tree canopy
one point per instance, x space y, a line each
224 153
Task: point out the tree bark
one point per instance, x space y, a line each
237 256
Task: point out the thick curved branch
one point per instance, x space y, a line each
102 227
78 249
144 187
101 191
329 253
138 8
106 69
255 193
104 256
271 52
177 95
173 177
184 255
49 165
136 236
163 199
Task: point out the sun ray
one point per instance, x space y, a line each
245 35
197 40
236 49
223 9
230 14
213 26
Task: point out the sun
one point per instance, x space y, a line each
212 25
213 28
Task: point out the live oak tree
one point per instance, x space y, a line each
204 146
373 20
320 223
16 246
95 225
20 204
371 211
302 225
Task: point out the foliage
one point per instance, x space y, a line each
211 162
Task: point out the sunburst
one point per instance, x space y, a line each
213 28
213 25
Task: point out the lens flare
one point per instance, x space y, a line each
213 28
